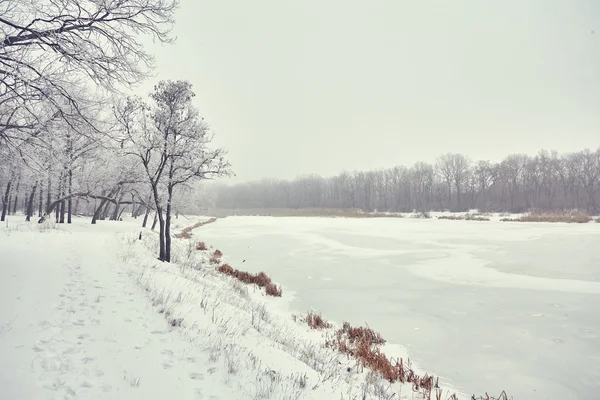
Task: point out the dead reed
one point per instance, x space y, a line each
261 279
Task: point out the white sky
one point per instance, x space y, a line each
298 87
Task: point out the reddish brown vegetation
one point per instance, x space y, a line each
364 345
261 279
314 321
272 290
216 257
201 246
187 232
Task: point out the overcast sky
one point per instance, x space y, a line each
307 86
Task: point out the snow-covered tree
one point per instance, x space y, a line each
50 47
171 141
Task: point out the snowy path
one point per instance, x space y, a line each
82 328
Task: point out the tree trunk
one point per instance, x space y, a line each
105 212
115 214
147 212
70 206
155 221
49 194
161 235
62 210
76 210
58 192
5 202
98 211
30 205
16 200
168 226
145 221
41 201
9 202
121 213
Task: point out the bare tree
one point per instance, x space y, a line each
171 141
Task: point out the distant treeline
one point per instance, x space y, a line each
520 182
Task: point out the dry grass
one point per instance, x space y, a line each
579 217
314 321
364 345
261 279
187 232
272 290
503 396
215 258
305 212
466 217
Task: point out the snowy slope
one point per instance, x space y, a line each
488 306
86 312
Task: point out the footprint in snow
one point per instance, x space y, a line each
167 352
37 348
197 376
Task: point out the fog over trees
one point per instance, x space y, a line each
548 180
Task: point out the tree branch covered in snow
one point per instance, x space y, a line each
50 47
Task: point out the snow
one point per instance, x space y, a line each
87 312
489 306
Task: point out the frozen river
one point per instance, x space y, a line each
488 306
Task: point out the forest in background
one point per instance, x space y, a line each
548 180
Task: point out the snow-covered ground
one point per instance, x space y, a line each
491 306
87 312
